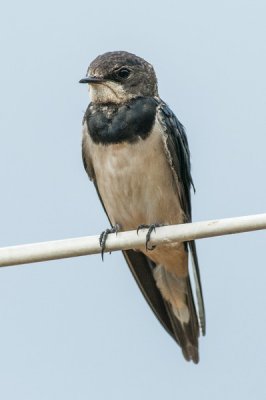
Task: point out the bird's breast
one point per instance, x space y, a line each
119 123
135 181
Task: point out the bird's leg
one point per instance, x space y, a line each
104 235
151 228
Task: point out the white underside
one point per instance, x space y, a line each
137 186
136 183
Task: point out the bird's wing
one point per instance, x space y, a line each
177 151
140 266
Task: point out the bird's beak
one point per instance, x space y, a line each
91 79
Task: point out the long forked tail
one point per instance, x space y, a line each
180 306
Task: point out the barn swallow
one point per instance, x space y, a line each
136 153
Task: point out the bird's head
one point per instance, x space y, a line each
119 76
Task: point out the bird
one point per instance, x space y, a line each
136 152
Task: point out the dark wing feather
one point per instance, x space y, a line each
179 157
140 267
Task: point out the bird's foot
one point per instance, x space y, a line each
151 228
104 235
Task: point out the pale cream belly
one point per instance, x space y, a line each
136 183
137 187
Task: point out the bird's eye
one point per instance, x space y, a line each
123 73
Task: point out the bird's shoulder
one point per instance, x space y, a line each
177 152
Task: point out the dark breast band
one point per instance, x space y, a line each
116 123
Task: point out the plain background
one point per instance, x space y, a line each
79 328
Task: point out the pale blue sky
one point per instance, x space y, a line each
80 329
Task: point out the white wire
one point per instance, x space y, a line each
81 246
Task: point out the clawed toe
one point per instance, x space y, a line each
151 228
142 226
104 235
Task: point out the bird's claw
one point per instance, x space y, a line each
142 226
104 235
151 228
